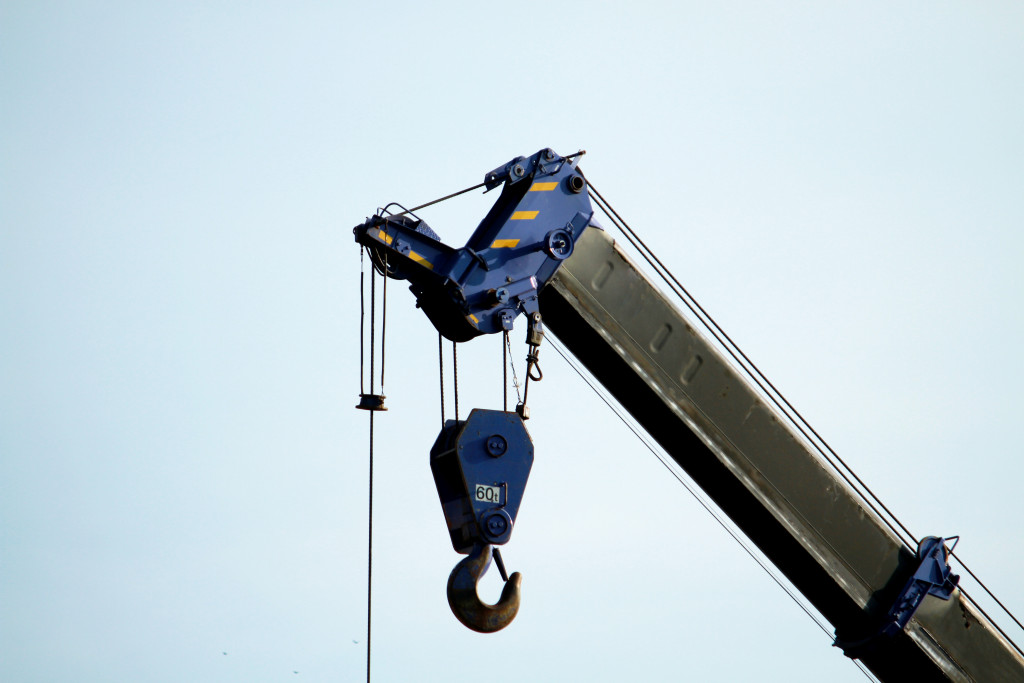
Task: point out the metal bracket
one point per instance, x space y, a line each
933 576
481 288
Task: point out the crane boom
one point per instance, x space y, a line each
745 456
538 252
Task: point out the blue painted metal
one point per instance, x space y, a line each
480 467
933 576
481 288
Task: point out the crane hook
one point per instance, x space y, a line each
465 602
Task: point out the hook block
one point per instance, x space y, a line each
480 467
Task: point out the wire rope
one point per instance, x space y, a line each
369 531
754 372
674 471
440 370
362 318
990 619
455 377
369 560
373 327
414 209
384 322
783 404
990 594
512 364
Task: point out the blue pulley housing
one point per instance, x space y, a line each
480 467
482 288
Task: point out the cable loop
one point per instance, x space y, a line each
533 368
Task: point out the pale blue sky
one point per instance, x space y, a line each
181 470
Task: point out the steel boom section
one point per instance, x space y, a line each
757 469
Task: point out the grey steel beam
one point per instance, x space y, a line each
759 471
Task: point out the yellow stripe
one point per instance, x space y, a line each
474 318
502 244
543 187
388 239
420 260
524 215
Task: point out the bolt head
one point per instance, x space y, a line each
496 445
496 526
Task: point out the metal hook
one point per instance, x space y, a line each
466 604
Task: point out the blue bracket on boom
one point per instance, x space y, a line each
933 576
481 288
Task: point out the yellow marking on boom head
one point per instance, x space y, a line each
504 244
524 215
543 187
420 260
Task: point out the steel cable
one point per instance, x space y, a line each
362 318
455 378
369 559
440 370
753 371
674 471
783 404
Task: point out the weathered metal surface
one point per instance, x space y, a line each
816 530
465 602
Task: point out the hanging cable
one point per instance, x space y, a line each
371 402
362 317
384 323
369 559
504 371
455 377
511 364
440 370
373 326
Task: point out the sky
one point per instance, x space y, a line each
183 476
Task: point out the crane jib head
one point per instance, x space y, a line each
540 214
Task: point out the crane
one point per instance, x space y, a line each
539 252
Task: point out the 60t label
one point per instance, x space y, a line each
488 494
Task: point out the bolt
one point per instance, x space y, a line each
496 445
496 525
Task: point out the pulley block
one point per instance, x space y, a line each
480 467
